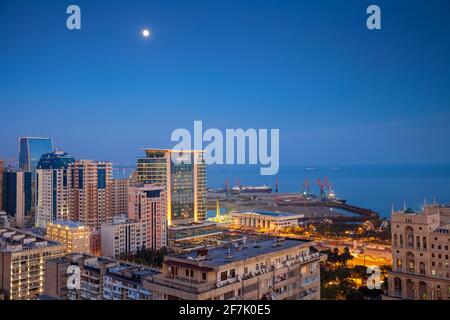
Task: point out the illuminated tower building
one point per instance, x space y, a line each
91 184
184 181
53 193
148 205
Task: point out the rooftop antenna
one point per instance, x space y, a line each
404 205
434 199
276 184
392 208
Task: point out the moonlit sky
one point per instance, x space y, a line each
339 93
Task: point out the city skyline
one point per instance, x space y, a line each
346 94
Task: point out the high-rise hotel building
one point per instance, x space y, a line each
420 254
53 188
184 181
148 205
91 184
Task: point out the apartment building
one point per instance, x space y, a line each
53 188
92 271
22 263
269 268
126 282
91 184
100 279
148 205
119 196
420 252
121 236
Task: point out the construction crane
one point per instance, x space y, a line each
321 186
306 187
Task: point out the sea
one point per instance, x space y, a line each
374 187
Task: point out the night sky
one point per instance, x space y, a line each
339 93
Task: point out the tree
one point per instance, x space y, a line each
345 256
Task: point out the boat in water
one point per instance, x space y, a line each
256 189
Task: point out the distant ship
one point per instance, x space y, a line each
256 189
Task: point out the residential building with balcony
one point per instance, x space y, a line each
22 263
92 271
269 268
126 282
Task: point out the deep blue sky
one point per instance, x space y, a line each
339 93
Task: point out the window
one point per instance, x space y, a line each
224 276
232 273
204 276
192 273
228 295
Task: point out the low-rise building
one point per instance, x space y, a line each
125 282
100 279
22 263
269 268
92 270
266 219
74 235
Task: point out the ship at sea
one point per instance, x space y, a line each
242 189
256 189
250 189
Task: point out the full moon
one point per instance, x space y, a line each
146 33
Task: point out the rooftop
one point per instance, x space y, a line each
272 213
68 223
228 254
14 240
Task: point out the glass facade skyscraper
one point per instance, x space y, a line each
184 180
31 150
